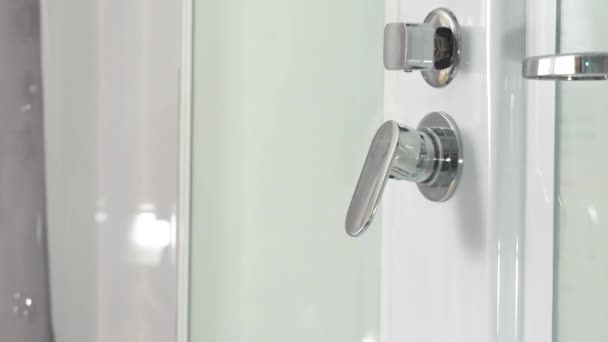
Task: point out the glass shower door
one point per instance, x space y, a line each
287 95
580 276
581 235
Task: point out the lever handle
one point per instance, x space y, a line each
429 156
396 151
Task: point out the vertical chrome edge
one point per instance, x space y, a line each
184 172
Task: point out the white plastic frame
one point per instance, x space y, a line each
185 142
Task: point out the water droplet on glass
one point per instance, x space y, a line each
26 108
32 88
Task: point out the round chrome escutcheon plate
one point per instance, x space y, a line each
443 182
442 75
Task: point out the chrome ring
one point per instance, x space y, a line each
444 18
449 157
569 67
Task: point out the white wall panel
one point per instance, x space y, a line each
452 270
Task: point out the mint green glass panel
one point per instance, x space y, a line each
287 97
581 269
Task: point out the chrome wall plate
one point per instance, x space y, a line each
442 184
447 45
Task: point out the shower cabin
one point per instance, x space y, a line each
265 171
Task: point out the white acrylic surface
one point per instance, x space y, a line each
452 270
287 97
540 169
112 108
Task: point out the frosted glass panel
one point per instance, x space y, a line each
581 281
287 96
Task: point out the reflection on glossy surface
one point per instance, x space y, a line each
287 98
150 237
148 232
111 97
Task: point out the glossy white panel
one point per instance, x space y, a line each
112 109
452 270
540 166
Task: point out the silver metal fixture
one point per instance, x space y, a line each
432 47
567 67
430 156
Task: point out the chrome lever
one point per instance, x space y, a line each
430 156
432 47
585 66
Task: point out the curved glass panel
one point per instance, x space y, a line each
581 272
287 96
